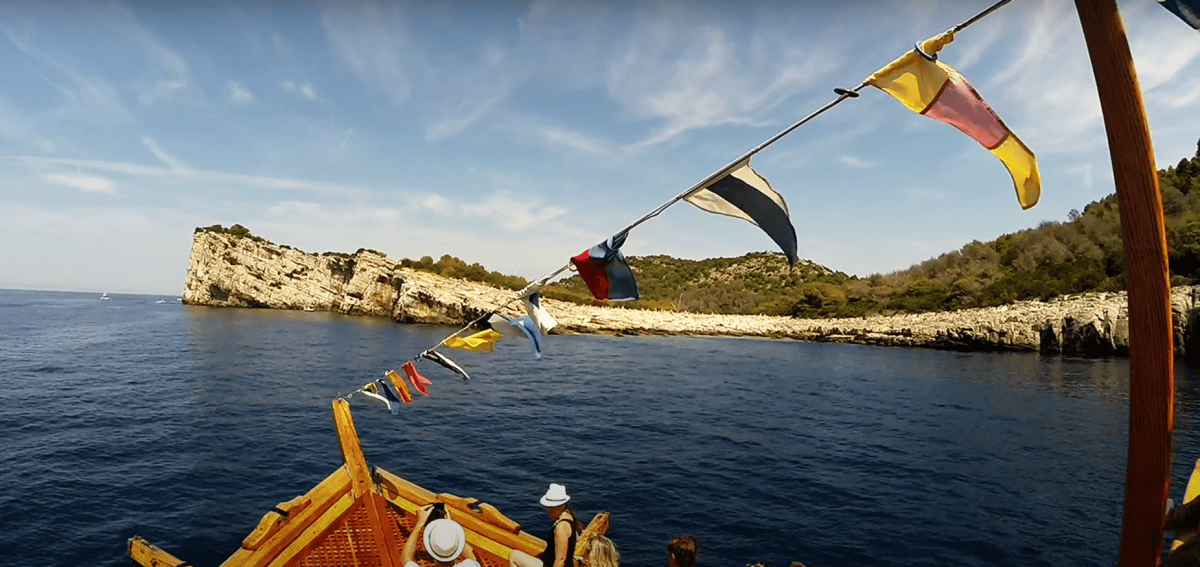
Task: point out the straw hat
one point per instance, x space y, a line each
444 539
556 495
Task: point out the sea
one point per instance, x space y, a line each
139 415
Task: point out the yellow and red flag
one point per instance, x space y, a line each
931 88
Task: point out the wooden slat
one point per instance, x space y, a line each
323 496
598 526
493 516
305 541
385 538
146 554
409 497
273 521
352 452
487 512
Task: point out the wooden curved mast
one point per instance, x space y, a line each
1151 347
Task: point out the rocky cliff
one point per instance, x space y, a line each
226 270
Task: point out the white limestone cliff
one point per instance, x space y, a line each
232 271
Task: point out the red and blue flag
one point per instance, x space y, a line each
605 271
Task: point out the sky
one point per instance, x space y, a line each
517 134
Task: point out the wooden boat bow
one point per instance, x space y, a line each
361 515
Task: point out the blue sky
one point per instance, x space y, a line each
518 134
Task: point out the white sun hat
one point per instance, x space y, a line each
444 539
556 495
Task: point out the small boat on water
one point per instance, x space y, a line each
105 297
161 301
362 515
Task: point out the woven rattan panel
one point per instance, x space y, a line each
404 525
351 543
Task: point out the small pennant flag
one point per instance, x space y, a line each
526 325
445 361
398 383
419 382
1187 10
372 389
538 314
744 194
482 341
929 87
605 271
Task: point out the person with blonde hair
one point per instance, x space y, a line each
602 552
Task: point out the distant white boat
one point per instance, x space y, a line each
105 297
309 309
161 301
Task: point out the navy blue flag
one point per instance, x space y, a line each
1187 10
744 194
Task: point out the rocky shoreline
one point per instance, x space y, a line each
239 271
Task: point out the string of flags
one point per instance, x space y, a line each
917 79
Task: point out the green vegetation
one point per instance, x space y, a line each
237 231
452 267
1083 254
759 282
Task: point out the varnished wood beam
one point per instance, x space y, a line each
1151 350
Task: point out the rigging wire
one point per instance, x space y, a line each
843 94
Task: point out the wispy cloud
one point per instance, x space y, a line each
507 211
193 175
302 88
691 68
85 183
856 162
166 77
562 138
237 93
163 156
371 39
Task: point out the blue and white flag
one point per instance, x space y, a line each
531 331
744 194
1187 10
538 314
379 390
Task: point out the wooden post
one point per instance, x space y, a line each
1151 349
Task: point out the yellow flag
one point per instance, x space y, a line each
935 90
483 341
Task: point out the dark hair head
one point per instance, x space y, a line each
683 549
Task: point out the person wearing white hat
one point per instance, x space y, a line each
560 544
444 540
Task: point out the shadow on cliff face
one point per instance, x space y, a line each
1076 339
1189 342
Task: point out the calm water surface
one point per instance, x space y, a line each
185 424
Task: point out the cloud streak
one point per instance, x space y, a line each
85 183
193 175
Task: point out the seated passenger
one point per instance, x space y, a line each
444 539
560 544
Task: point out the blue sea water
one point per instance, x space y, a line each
185 424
